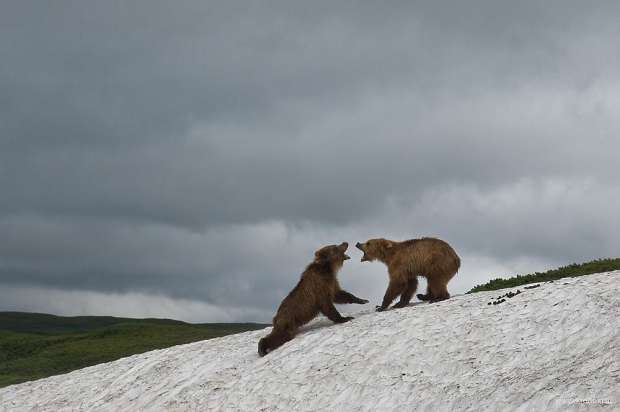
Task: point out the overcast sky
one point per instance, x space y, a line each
185 159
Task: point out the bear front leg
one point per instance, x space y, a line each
328 309
342 296
407 294
394 289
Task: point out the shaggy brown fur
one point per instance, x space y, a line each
429 257
316 292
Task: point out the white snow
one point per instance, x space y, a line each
555 347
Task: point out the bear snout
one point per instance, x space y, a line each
359 246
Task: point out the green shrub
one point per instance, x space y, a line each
572 270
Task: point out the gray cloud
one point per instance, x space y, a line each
200 152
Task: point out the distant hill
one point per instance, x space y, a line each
37 345
43 323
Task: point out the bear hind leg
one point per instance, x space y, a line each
438 289
427 296
273 341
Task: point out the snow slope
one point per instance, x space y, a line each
555 347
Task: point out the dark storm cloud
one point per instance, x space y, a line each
203 150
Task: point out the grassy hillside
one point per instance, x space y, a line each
572 270
34 346
43 323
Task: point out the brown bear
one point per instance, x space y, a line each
428 257
316 292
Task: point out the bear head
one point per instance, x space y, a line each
333 254
374 249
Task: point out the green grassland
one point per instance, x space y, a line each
34 346
572 270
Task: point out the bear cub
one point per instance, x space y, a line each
316 292
429 257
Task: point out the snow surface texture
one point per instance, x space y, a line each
555 347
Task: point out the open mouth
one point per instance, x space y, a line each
361 247
347 257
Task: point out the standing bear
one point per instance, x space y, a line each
429 257
316 292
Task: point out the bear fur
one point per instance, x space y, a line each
316 292
429 257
